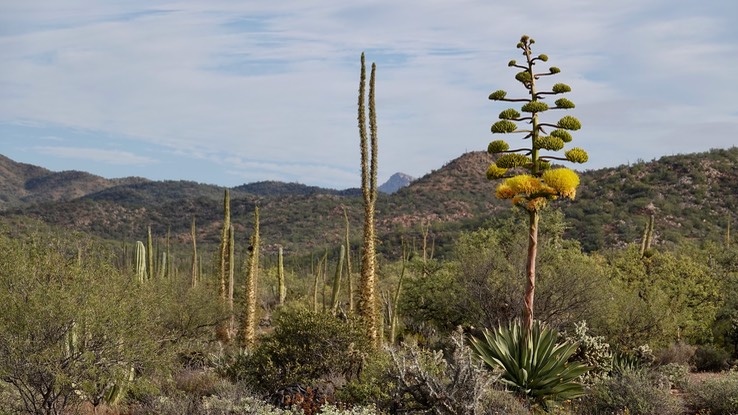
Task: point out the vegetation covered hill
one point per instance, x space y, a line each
691 196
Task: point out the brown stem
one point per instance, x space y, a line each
530 270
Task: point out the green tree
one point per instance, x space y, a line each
533 191
72 330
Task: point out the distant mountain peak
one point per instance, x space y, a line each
396 182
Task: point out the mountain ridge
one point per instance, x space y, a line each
693 196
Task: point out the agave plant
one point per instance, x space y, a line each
537 365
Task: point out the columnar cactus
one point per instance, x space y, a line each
195 268
140 262
647 237
337 281
281 287
231 277
349 283
248 328
368 300
531 182
222 331
150 271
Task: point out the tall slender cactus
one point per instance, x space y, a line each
231 275
150 254
193 274
248 328
140 262
396 300
318 275
282 288
647 237
222 331
368 298
349 283
168 261
337 281
727 234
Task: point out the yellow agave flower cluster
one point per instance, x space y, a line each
533 193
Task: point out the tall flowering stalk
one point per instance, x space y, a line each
530 181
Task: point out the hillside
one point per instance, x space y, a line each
22 184
691 196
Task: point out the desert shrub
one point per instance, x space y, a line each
374 386
197 382
73 327
680 353
304 348
709 358
714 396
676 374
500 402
356 410
426 381
633 392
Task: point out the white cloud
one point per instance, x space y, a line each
96 155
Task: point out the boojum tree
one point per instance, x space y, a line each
530 180
368 144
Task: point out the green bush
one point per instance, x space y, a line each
633 392
709 358
714 396
304 348
373 387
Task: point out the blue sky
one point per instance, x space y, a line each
232 92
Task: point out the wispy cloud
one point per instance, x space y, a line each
116 157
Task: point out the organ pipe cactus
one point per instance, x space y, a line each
531 182
140 262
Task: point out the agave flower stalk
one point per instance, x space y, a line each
530 181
